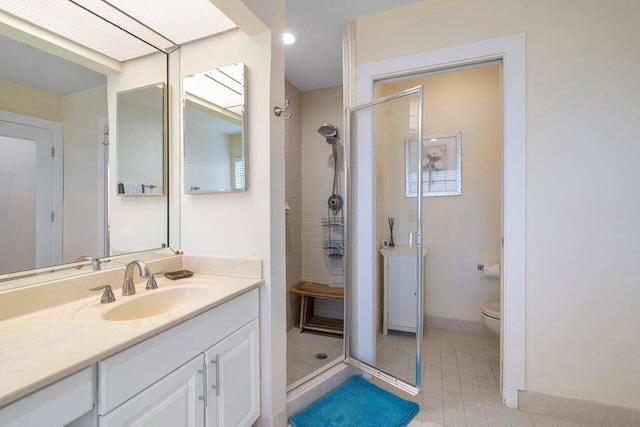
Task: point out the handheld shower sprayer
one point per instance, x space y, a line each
331 135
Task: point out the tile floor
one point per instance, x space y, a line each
460 375
302 349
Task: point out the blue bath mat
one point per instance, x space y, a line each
357 403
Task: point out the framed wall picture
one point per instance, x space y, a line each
441 163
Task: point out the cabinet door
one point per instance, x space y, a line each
401 289
234 379
177 400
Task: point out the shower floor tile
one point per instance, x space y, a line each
302 349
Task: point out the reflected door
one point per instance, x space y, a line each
383 299
26 197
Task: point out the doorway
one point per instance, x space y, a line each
32 222
511 51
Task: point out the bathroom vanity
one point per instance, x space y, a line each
186 353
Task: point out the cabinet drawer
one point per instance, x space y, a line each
127 373
54 405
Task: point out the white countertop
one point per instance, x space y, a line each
39 348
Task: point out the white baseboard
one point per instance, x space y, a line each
584 411
278 420
455 324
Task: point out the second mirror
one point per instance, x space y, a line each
215 143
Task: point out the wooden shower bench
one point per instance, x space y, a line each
309 292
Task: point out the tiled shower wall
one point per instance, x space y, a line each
293 194
320 106
309 180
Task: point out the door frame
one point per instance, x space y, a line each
57 185
511 51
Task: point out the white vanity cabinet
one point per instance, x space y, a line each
400 288
175 400
55 405
234 379
170 379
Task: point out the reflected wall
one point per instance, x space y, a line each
137 223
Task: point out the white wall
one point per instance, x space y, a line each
460 231
136 222
583 94
81 112
140 155
248 224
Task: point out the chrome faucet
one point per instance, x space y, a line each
128 288
95 262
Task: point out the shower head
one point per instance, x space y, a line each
330 132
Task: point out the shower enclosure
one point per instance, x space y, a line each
375 173
354 223
315 241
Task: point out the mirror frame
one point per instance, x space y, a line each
245 136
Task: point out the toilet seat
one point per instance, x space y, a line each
492 310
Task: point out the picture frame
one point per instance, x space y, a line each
441 165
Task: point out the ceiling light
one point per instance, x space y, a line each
433 139
288 38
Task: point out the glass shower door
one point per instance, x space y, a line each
383 266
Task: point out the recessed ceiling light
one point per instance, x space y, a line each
288 38
433 139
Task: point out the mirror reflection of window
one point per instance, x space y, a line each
214 131
239 173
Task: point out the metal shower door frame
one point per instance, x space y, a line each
351 360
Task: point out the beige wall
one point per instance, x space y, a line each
81 112
30 102
293 193
460 231
582 102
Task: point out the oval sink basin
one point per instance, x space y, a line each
155 303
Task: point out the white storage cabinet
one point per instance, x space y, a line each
400 288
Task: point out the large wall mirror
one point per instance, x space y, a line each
58 138
215 140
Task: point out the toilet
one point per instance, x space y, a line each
491 317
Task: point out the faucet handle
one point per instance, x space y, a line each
107 296
151 283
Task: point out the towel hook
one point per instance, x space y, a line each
278 111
